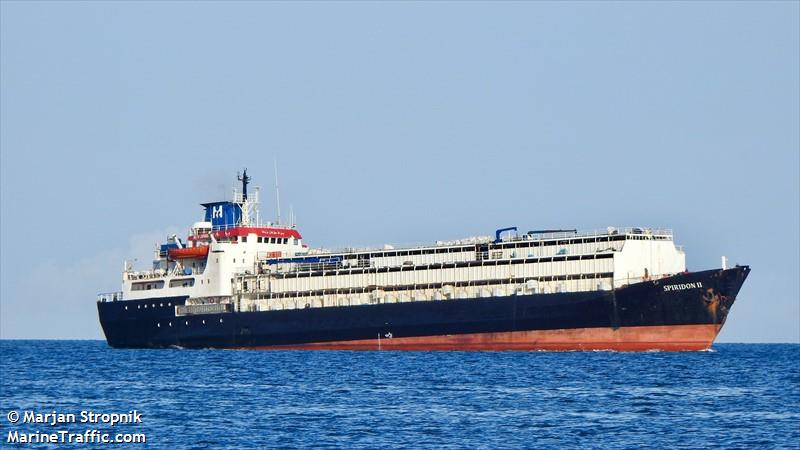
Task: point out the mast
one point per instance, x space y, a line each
245 180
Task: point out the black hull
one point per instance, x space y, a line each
649 311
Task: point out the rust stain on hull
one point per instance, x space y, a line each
666 338
712 303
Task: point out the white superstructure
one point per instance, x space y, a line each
477 267
232 258
207 263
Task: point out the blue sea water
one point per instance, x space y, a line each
736 396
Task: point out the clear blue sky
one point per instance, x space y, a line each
396 122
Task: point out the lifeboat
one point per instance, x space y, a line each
188 252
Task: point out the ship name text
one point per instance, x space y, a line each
683 286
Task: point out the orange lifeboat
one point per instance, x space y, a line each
188 252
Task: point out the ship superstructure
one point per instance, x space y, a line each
230 241
478 292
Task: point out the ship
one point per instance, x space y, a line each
236 282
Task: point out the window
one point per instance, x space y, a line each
184 282
244 238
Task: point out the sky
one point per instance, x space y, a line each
396 122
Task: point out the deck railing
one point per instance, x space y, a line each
664 233
109 297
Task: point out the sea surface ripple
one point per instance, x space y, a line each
735 396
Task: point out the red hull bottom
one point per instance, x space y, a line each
667 338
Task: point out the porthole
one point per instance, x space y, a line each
170 324
220 320
187 322
153 305
169 304
145 306
161 304
204 321
138 306
126 308
158 325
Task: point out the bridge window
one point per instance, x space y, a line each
144 286
185 282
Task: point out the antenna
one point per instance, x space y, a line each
258 215
277 192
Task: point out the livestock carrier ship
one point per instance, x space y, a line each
236 282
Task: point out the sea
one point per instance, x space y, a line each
733 396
